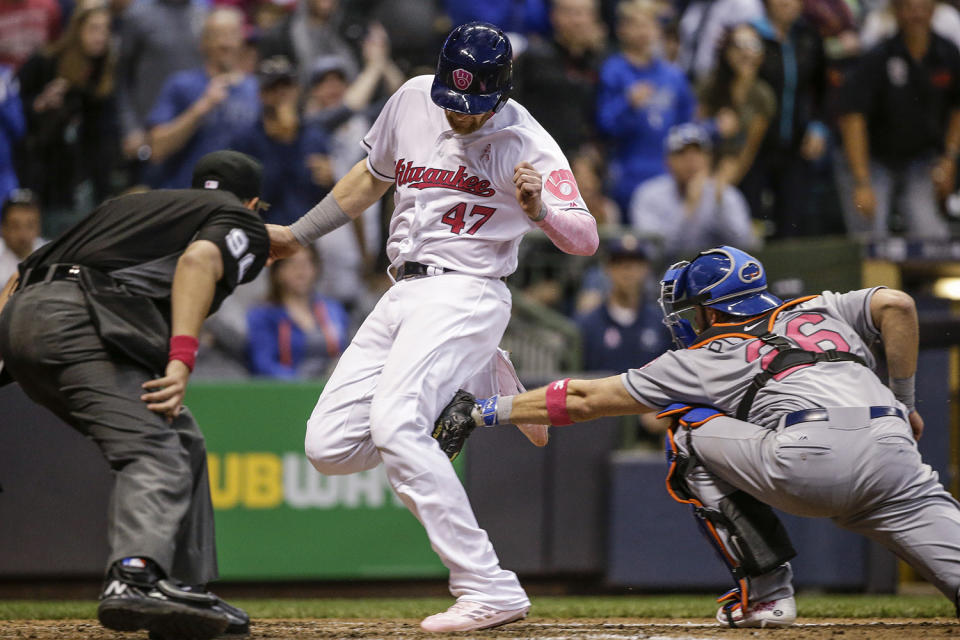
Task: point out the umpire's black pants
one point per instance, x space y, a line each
160 507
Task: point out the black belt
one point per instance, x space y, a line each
819 415
417 270
51 273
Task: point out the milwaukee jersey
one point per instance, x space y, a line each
717 372
455 205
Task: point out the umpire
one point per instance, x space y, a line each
100 326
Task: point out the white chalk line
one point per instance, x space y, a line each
705 625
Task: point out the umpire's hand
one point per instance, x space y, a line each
283 244
167 400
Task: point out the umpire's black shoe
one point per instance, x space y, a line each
135 597
238 620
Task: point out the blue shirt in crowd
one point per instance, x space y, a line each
12 127
278 348
612 347
288 184
239 110
637 134
520 16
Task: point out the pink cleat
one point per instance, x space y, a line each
471 616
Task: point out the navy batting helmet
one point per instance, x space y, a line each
724 278
474 70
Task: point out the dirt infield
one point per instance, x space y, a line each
539 628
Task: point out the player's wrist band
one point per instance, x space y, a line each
504 409
184 348
488 411
326 216
542 214
904 390
557 403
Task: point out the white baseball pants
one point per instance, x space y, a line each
423 340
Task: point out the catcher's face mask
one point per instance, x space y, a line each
678 312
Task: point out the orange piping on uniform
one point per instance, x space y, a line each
696 503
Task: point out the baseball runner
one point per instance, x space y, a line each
816 432
473 173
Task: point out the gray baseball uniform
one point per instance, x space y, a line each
864 473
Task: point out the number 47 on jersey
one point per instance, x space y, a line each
457 217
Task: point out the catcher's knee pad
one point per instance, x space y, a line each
689 415
759 538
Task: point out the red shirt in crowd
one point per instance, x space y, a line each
25 26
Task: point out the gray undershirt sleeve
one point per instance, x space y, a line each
321 220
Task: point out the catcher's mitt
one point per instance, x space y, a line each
457 420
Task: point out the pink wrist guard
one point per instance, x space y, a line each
557 403
184 349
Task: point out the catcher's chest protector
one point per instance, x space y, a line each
788 355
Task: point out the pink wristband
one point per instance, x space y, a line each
184 349
557 403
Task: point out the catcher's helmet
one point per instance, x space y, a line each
474 70
723 278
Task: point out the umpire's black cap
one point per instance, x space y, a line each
230 171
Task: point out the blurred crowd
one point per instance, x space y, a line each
688 124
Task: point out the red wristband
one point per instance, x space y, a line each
557 403
184 349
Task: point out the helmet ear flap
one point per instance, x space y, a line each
502 101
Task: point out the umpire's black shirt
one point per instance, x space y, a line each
906 102
138 238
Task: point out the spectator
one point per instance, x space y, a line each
778 185
71 145
335 96
836 23
12 127
311 31
740 104
881 23
513 16
199 110
901 132
684 209
701 28
327 105
298 334
415 29
25 26
640 98
19 230
267 15
379 72
565 65
589 172
157 39
295 154
348 251
222 354
626 331
671 41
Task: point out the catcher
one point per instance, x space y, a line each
815 433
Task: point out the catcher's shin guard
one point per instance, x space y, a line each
758 542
